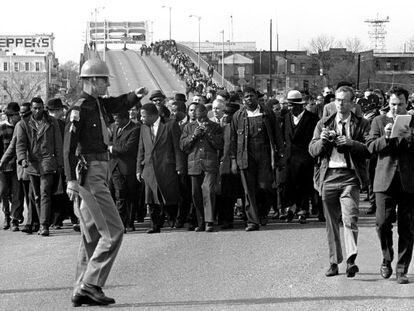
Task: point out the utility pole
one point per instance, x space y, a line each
222 58
359 71
269 92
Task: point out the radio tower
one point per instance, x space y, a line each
377 33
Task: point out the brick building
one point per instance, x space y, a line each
28 68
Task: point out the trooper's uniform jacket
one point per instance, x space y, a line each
83 132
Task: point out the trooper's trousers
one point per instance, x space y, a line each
100 224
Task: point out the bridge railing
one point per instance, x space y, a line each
217 78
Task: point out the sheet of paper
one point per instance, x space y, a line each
401 121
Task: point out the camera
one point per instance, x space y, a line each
332 136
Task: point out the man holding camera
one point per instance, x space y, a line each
339 143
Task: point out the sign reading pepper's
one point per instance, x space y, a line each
38 43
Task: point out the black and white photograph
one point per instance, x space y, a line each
206 155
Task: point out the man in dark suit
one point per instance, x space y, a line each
123 163
339 143
394 184
202 140
159 162
298 127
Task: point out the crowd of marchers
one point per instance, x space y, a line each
198 162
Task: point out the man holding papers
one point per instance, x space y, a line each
392 140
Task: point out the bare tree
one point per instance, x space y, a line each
353 45
23 87
410 45
321 43
70 73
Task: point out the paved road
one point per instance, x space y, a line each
278 268
130 70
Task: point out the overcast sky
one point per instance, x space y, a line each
297 21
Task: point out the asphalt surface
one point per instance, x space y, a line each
280 267
130 71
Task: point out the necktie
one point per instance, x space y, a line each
152 133
105 133
346 152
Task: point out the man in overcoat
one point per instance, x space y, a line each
159 162
298 129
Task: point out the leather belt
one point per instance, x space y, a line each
104 156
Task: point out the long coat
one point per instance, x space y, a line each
392 155
299 163
43 150
159 161
359 131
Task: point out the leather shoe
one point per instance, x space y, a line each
27 229
386 270
289 216
76 227
153 230
36 227
402 278
95 293
44 231
209 227
302 219
6 224
199 229
15 227
252 227
351 270
333 270
79 300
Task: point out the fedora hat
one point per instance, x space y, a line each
295 97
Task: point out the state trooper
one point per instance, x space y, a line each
86 170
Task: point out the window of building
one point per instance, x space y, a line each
16 66
302 67
396 67
37 66
27 66
5 66
402 66
292 68
388 65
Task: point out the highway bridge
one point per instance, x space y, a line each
131 70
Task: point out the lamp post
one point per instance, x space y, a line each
222 57
96 21
169 8
199 40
